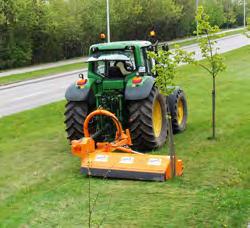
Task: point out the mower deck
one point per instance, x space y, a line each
116 160
129 166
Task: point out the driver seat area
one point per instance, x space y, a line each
114 72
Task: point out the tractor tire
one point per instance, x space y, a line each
178 109
75 114
147 121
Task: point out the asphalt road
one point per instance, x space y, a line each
81 59
41 66
225 44
33 93
26 95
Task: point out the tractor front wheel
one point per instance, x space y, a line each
178 108
147 121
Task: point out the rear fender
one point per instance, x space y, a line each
139 91
79 93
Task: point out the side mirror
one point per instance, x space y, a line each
150 48
165 47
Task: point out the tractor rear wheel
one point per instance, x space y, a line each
75 114
178 109
147 121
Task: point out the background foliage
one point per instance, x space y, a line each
35 31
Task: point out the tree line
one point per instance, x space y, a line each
36 31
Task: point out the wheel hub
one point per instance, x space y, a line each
180 111
157 118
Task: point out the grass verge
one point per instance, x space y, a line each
41 73
40 183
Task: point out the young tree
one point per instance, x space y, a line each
214 61
166 69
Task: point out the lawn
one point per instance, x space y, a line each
40 183
41 73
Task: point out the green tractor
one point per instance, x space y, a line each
120 79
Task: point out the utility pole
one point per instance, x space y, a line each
244 17
108 26
197 5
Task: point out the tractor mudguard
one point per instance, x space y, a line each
74 93
79 93
139 91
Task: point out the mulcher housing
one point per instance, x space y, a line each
117 159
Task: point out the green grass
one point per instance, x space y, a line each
41 73
40 183
194 41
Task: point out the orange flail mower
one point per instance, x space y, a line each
117 160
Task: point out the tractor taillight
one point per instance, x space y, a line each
137 80
81 82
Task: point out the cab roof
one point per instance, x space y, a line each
121 44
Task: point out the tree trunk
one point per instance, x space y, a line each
213 108
171 144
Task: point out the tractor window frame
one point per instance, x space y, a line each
147 61
107 63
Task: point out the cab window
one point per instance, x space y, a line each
147 61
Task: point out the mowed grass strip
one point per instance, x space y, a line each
41 73
40 183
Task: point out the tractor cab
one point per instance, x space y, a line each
113 64
119 60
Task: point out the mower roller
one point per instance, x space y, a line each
116 159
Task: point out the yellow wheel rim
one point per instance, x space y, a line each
180 111
157 118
